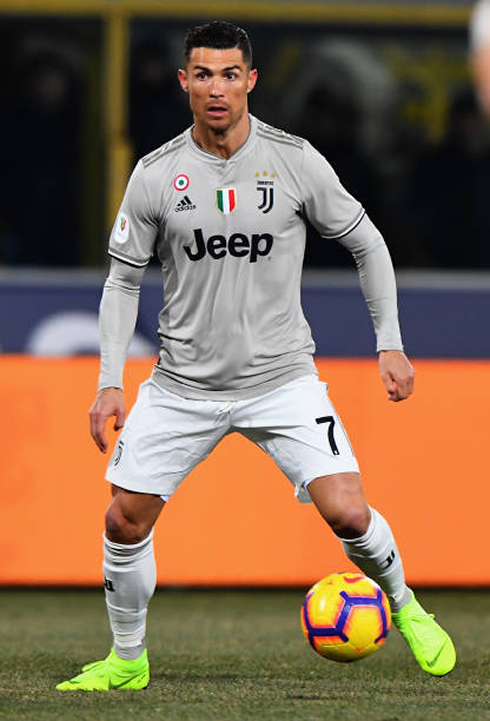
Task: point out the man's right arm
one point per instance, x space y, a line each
117 321
131 246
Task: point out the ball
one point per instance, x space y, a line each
345 617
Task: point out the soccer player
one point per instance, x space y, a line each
225 205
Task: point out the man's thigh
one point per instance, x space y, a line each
164 438
298 426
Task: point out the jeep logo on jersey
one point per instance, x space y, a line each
226 200
238 245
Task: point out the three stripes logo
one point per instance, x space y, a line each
185 204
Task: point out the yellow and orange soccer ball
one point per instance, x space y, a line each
345 617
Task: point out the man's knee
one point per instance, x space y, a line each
340 500
131 516
351 522
123 525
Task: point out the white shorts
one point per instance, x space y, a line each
165 436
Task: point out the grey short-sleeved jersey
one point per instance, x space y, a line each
230 235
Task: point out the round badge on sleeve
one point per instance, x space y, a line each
181 182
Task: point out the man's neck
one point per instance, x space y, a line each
225 144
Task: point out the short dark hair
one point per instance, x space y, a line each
220 35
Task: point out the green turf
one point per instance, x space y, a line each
234 655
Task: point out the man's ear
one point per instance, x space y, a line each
182 75
252 79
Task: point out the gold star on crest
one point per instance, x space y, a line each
264 173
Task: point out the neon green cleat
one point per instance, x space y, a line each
430 644
111 673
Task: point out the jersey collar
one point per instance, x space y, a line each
211 158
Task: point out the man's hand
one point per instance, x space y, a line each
397 374
109 402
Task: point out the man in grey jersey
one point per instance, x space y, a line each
224 206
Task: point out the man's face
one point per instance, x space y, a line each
218 82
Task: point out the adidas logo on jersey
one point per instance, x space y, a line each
185 204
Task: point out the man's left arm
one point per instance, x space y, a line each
337 215
377 279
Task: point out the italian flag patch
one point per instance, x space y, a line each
226 199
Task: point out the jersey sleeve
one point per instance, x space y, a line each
117 320
133 236
378 283
326 203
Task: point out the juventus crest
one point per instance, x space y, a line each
265 187
267 199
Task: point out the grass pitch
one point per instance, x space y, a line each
233 655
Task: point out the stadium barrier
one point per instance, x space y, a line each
235 521
56 313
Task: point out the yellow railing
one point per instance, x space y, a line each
116 60
274 10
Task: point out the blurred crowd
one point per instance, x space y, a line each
40 198
427 192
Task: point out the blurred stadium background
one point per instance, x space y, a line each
384 91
